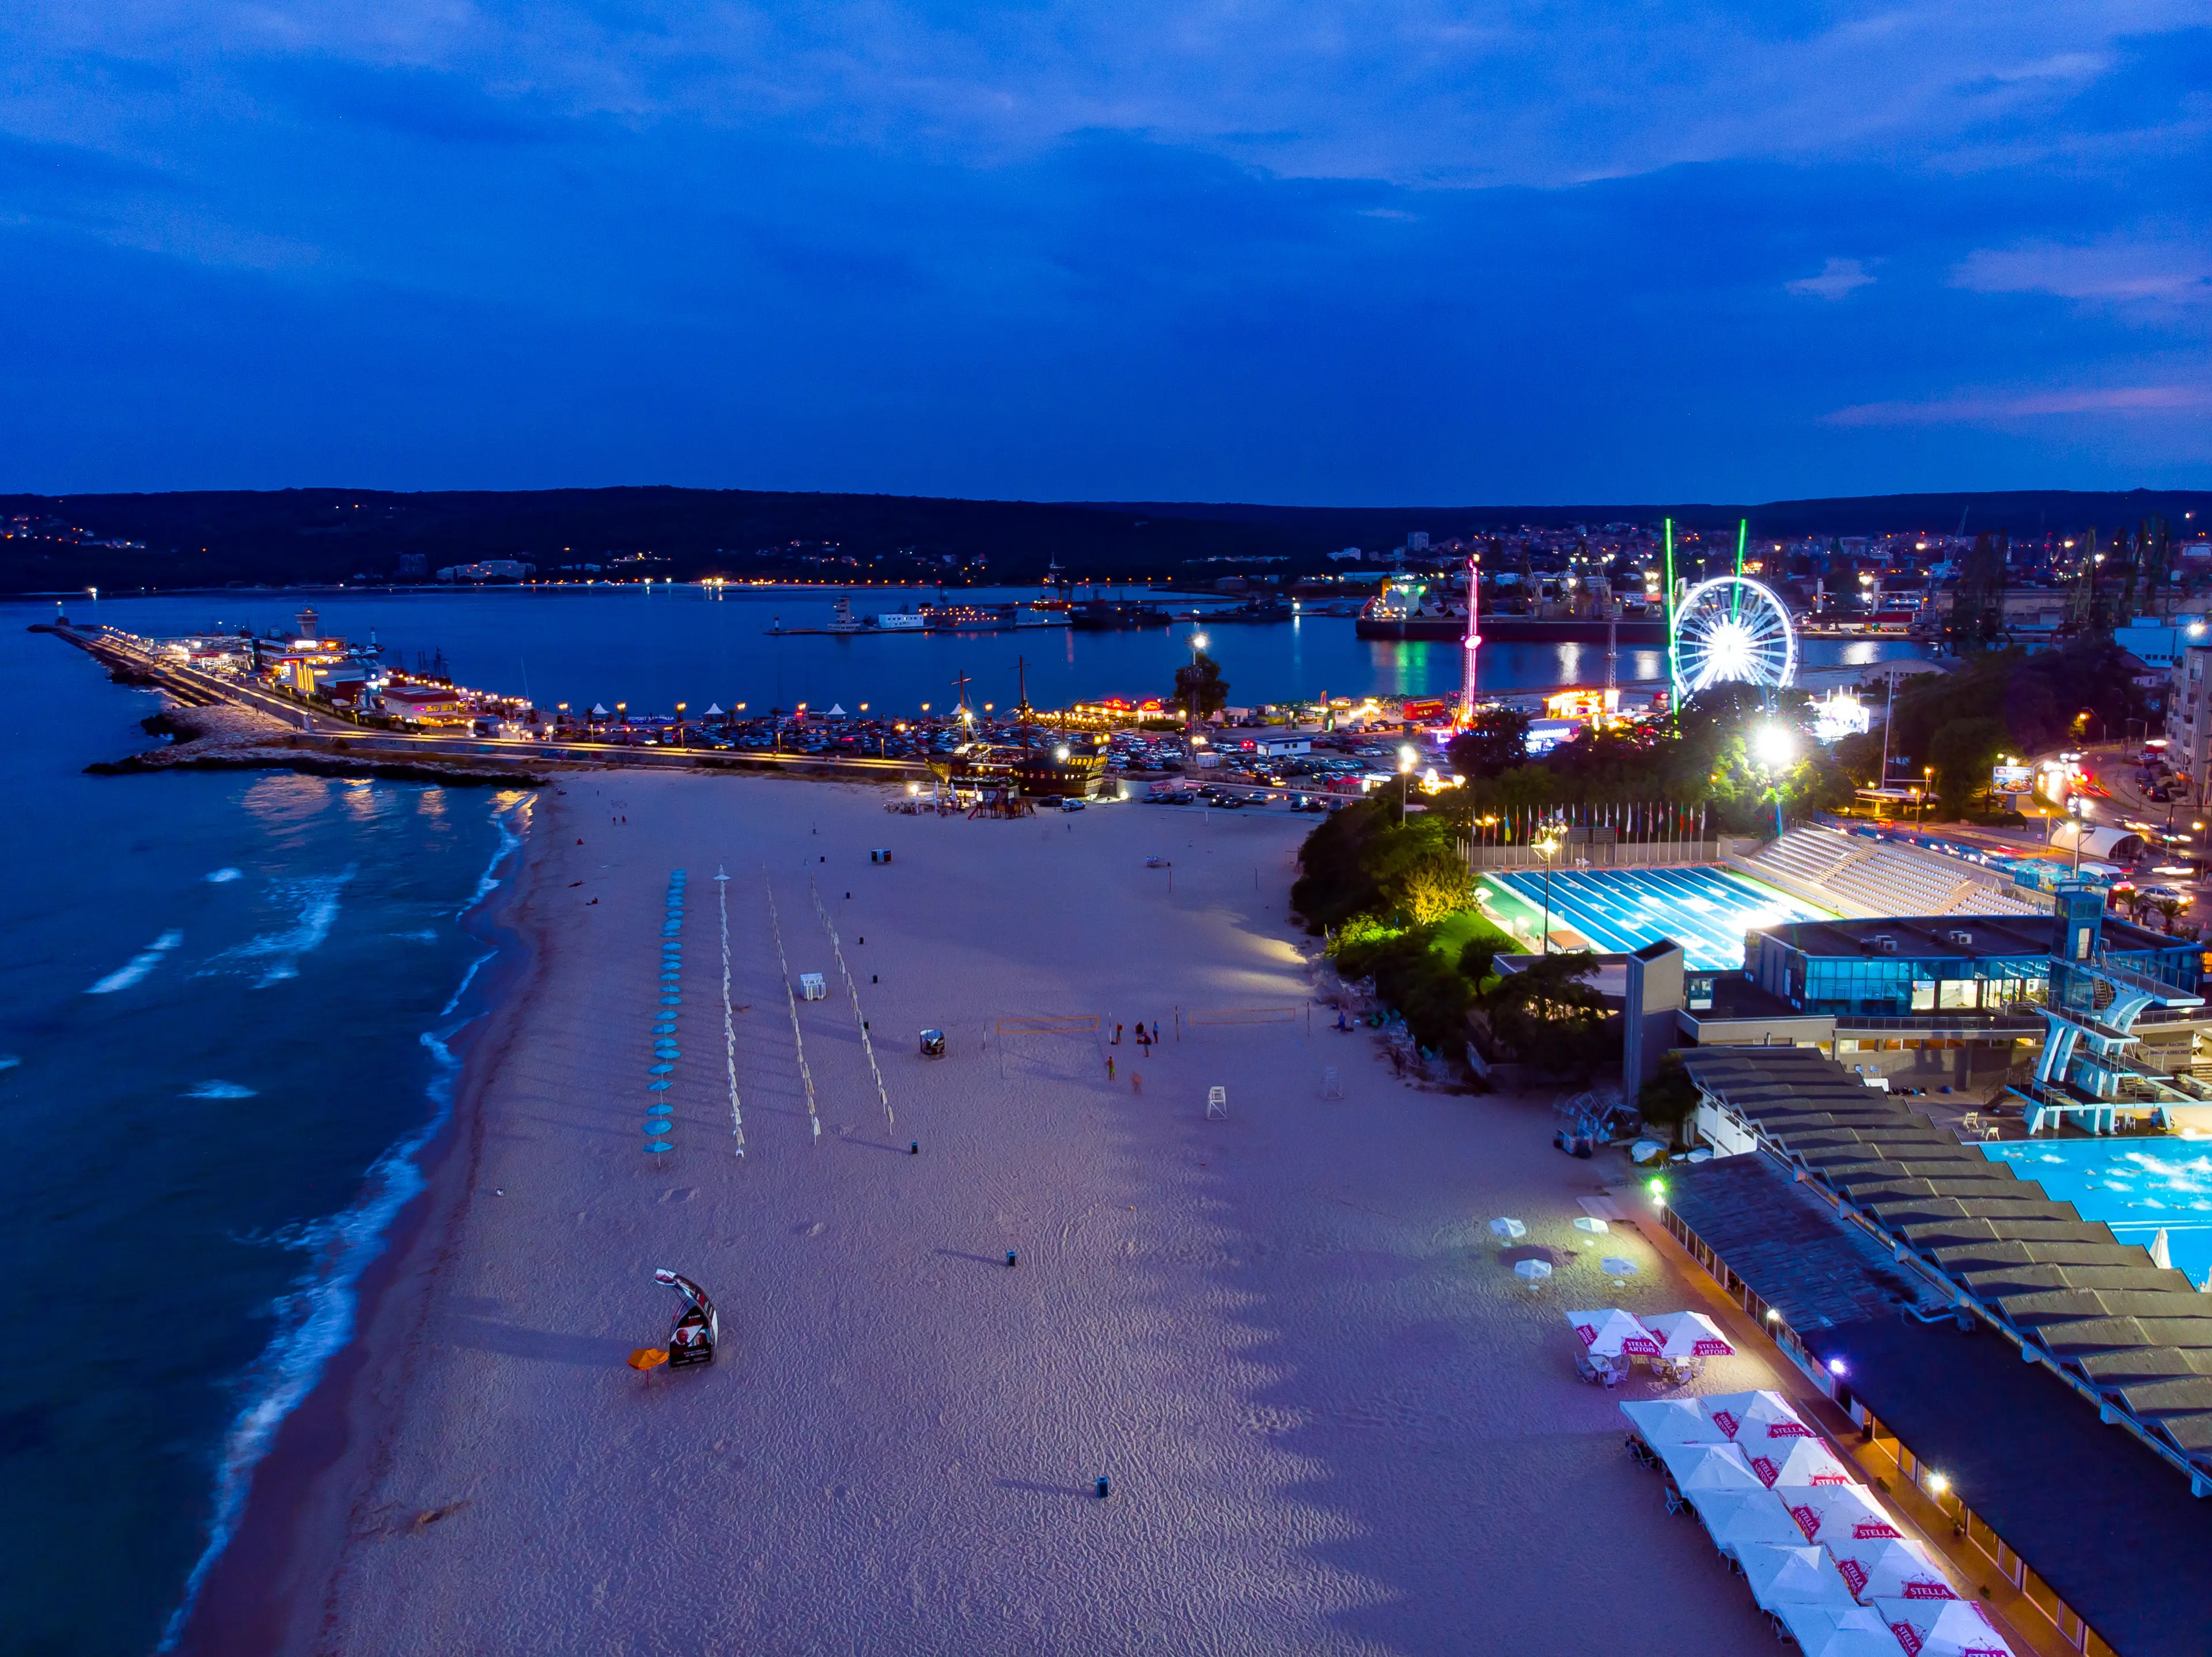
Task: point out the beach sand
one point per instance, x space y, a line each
1333 1419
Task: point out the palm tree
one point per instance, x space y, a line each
2167 907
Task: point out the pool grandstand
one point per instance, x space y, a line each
1707 911
1863 877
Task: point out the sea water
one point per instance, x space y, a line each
226 1007
652 648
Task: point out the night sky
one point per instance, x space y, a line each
1309 252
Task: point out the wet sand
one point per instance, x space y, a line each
1333 1419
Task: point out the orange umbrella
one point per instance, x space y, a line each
648 1357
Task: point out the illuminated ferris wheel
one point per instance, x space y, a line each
1731 629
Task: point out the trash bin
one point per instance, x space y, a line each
932 1044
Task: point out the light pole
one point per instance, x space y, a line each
2074 811
1776 748
1407 757
1920 806
1197 648
1547 848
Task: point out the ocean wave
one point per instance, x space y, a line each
223 875
316 1319
131 971
510 839
220 1091
9 1061
276 956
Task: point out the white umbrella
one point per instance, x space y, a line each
1508 1230
1614 1267
1593 1225
1713 1467
1671 1420
1782 1464
714 710
1888 1568
2161 1251
1832 1514
1532 1273
1689 1335
1943 1628
836 711
1798 1574
1738 1519
1838 1631
1761 1415
1612 1333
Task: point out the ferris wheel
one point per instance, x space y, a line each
1732 629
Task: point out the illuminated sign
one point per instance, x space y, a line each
1840 715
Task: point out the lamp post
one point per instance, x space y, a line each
1776 748
1407 757
1197 648
1547 848
1920 806
2074 811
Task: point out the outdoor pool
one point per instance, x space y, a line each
2134 1186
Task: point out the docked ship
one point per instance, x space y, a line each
930 618
1420 608
1102 615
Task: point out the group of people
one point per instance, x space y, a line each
1142 1038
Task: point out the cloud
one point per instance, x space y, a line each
2116 402
2131 268
1837 278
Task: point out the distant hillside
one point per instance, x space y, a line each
244 537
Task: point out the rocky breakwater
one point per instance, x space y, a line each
226 736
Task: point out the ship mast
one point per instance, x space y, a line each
1470 644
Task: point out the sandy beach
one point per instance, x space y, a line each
1333 1419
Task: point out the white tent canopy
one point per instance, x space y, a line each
1798 1574
1671 1420
1887 1568
1750 1417
714 710
1945 1628
1739 1519
1797 1461
836 711
1827 1631
1833 1514
1612 1333
1689 1335
1708 1467
1506 1229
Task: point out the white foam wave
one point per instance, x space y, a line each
131 971
276 955
9 1061
510 839
220 1091
223 875
315 1319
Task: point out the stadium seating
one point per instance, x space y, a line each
1872 879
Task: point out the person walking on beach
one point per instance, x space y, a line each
1118 1035
1137 1084
1109 1066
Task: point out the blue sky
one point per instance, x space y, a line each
1314 252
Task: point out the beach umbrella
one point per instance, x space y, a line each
1614 1267
2161 1251
1689 1335
1943 1628
1671 1420
1799 1575
1508 1230
1592 1226
1838 1631
1532 1273
1834 1514
1739 1519
648 1357
1891 1568
1713 1467
1762 1415
1612 1333
1782 1464
714 710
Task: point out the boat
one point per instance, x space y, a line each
842 619
906 621
1039 615
1098 615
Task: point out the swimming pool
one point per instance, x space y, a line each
2136 1186
1706 911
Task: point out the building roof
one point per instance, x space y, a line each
1930 938
1918 1188
2094 1512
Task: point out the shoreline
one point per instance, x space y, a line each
265 1591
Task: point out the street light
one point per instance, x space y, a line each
1407 757
1920 805
2074 811
1776 748
1547 848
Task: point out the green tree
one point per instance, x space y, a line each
1200 689
1963 752
1495 743
1552 1018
